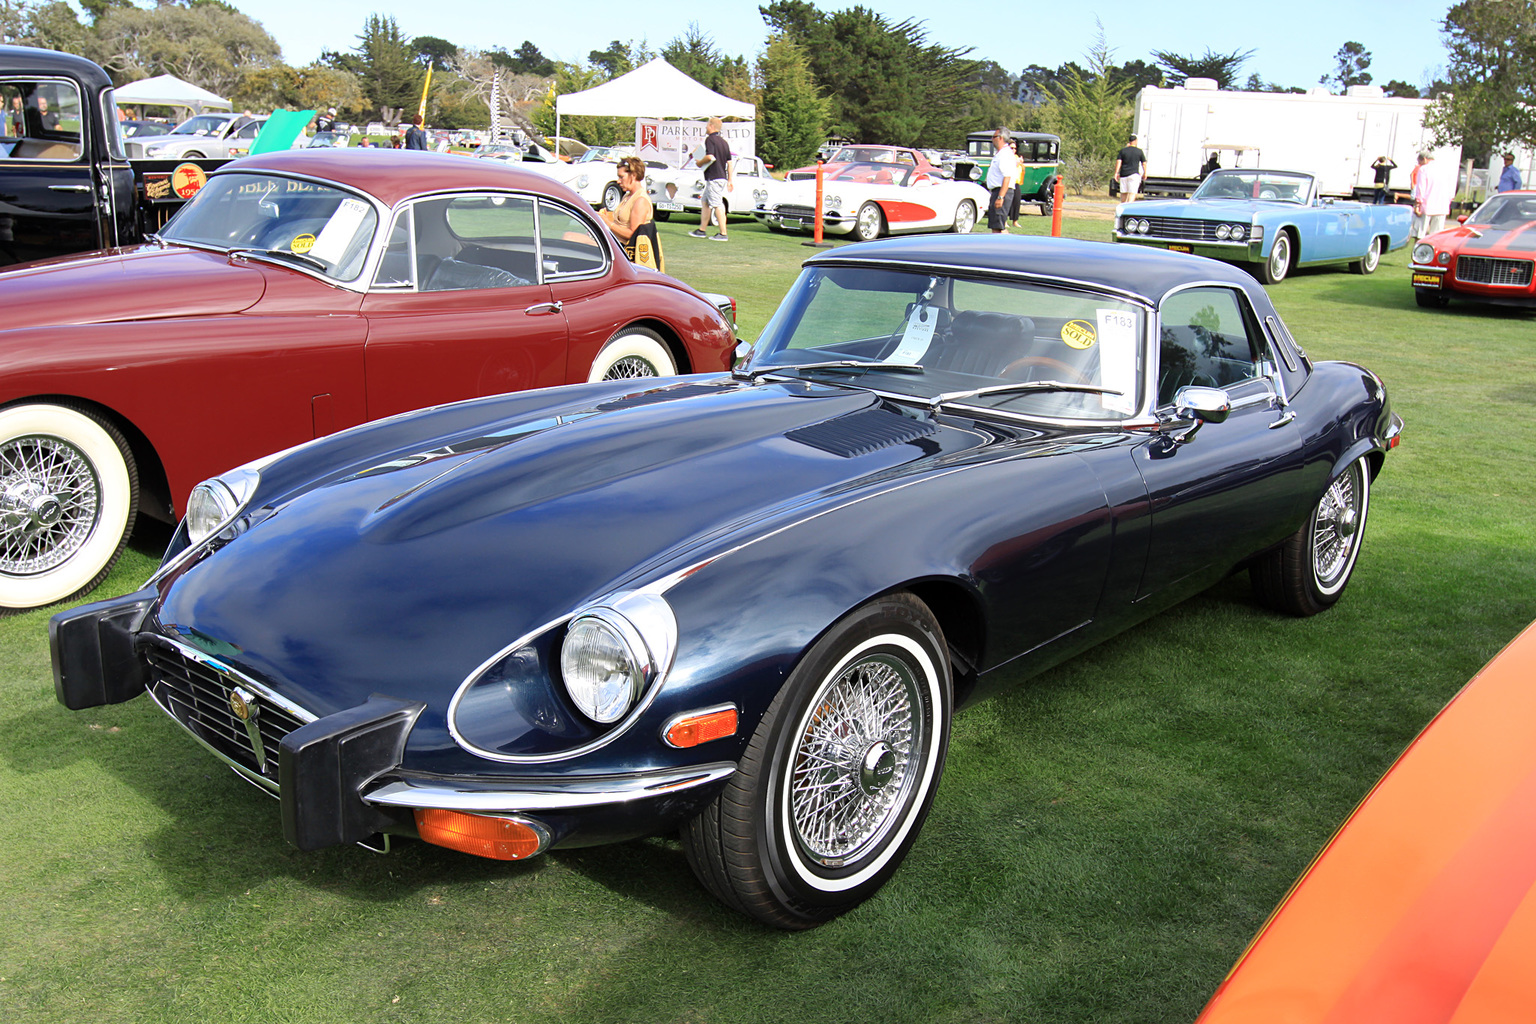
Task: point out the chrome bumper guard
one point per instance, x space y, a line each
535 796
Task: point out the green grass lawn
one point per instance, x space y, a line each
1104 843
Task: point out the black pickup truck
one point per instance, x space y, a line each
66 183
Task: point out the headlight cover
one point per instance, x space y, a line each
214 503
615 652
1423 253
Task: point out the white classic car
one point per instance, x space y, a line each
593 174
682 190
868 200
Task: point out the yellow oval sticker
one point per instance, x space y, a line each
1079 334
302 243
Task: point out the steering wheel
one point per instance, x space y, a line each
1074 375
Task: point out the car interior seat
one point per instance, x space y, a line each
983 343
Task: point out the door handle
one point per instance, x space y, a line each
69 188
541 308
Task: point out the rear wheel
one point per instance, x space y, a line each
633 352
839 775
1309 571
69 495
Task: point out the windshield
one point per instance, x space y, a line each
329 228
925 334
1505 211
875 173
1279 186
202 124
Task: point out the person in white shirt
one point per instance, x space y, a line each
1002 181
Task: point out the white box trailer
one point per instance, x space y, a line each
1334 138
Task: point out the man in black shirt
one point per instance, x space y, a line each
1128 170
719 178
415 136
1384 166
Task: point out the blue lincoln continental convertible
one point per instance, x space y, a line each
745 606
1274 220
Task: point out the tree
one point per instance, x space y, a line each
1256 83
527 60
207 45
1093 117
620 58
1492 76
1223 67
386 65
1349 67
435 52
1401 90
792 116
315 87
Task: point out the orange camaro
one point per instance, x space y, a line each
1423 907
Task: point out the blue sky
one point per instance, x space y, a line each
1294 42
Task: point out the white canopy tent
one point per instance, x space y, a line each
169 91
656 89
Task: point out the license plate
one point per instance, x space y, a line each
1181 248
669 206
1433 280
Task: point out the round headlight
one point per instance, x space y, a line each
1443 259
209 507
759 197
1238 232
601 672
1143 226
1423 253
582 181
1222 231
831 203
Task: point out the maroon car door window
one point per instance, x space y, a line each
567 243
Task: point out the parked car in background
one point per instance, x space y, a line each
329 140
1272 220
211 136
746 605
301 293
867 200
682 190
593 174
1420 908
844 155
1487 258
1039 156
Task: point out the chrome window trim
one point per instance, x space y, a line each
1271 378
966 269
85 119
585 217
1272 327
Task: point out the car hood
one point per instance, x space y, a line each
405 573
1208 209
1479 239
142 283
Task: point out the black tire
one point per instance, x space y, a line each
1047 198
1278 263
633 352
1431 300
769 845
71 491
1368 263
194 155
1309 571
965 218
662 215
612 196
870 223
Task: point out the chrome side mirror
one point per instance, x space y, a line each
1201 405
743 353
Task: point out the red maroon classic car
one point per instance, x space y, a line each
1488 257
299 294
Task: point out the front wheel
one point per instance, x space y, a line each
965 217
870 223
839 774
1274 269
633 352
662 215
69 494
1368 263
612 196
1310 569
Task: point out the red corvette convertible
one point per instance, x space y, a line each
1488 257
299 294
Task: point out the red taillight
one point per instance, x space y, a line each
483 836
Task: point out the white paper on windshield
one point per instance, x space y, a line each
1117 358
917 335
339 231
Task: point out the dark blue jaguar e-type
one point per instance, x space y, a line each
746 605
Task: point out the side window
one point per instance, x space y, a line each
397 269
568 245
42 120
1207 339
468 243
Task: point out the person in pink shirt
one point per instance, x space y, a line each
1431 197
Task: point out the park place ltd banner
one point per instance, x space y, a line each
672 142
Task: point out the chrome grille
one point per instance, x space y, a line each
803 212
195 691
1491 270
1178 227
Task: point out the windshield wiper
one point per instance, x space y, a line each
1023 387
285 254
835 364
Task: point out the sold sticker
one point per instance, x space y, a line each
302 243
1079 334
186 179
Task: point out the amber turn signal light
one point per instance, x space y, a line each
701 726
496 838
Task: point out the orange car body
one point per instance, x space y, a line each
1423 907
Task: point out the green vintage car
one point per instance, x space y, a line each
1039 156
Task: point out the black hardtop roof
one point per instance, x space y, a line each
32 60
1133 270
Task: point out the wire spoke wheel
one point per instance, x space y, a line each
50 502
1336 528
